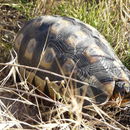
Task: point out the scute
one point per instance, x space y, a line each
30 49
70 47
47 58
18 41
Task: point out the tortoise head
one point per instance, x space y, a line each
122 88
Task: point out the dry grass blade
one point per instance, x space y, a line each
103 115
45 71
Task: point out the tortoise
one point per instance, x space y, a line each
71 48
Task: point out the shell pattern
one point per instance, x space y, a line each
68 46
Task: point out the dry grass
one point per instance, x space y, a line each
22 105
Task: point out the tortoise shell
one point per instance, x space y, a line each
72 48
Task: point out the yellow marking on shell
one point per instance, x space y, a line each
30 76
94 82
30 49
75 38
68 66
93 53
47 58
40 83
58 26
72 41
18 41
80 34
55 90
108 88
91 59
